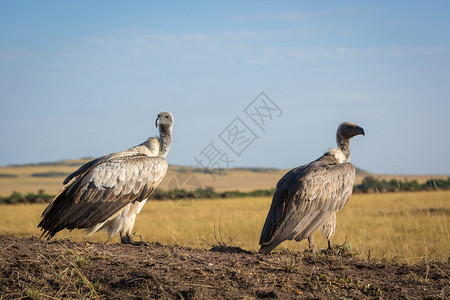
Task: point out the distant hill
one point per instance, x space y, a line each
361 172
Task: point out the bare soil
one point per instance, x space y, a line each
32 268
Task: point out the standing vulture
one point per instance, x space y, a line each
108 192
309 196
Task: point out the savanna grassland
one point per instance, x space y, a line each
406 225
403 226
389 245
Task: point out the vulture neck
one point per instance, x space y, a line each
344 145
165 139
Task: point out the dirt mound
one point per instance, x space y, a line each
35 269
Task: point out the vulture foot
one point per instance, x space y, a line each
127 239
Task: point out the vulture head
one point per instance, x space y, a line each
165 119
347 130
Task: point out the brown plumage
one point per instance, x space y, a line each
108 192
308 197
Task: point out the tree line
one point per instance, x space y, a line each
372 185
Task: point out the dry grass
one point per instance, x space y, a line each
405 226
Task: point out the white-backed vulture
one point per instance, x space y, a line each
108 192
308 197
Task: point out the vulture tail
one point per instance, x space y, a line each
267 248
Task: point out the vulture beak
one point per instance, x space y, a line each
157 122
359 130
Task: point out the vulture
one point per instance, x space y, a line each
108 192
308 197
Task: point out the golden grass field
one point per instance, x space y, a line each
406 226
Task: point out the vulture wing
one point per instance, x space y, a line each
101 188
83 169
304 199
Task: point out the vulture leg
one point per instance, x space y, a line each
311 244
328 229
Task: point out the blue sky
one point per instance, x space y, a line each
87 78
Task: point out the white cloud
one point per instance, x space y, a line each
212 50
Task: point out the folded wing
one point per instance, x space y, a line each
100 189
305 198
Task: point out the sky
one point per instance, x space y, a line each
250 84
